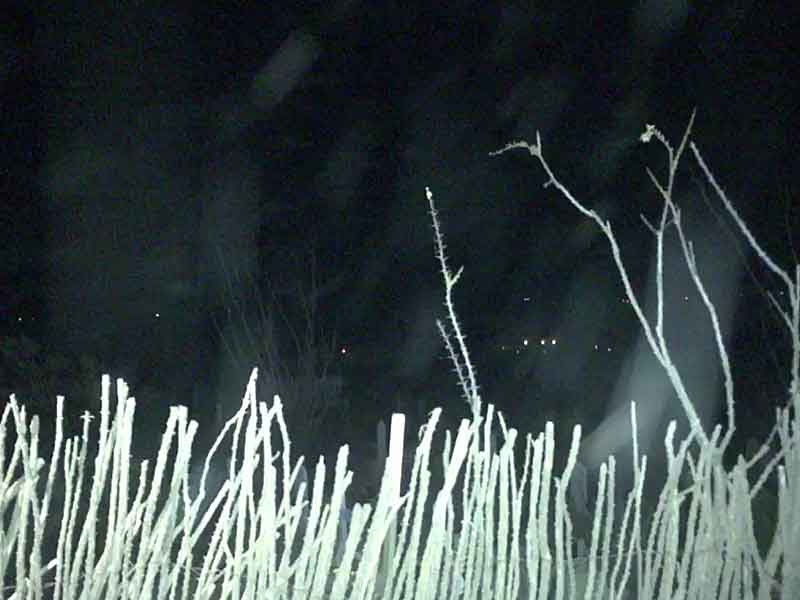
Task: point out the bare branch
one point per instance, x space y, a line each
656 340
461 361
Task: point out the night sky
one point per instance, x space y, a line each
168 170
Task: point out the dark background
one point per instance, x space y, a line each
153 155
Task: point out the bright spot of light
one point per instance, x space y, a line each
525 342
344 350
157 315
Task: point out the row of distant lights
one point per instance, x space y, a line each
544 343
525 342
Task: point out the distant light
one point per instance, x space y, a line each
526 299
525 342
609 348
344 350
596 347
553 342
686 298
158 315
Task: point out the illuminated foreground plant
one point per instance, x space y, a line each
506 534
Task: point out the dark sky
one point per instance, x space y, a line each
151 153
